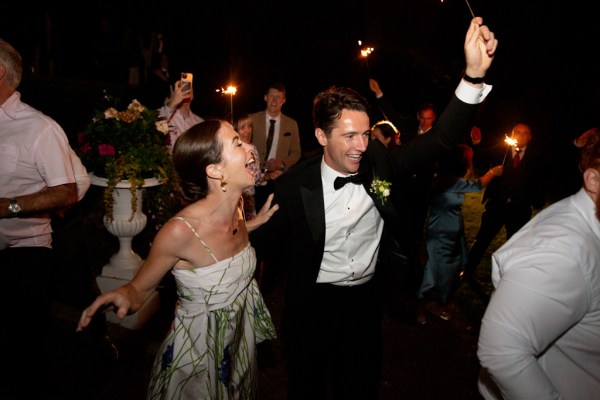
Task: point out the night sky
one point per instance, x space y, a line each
543 73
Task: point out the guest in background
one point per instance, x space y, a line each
283 150
277 139
540 334
386 133
221 316
244 129
416 196
178 113
509 200
445 232
36 178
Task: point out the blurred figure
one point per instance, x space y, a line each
36 178
386 133
540 334
509 200
159 87
445 232
417 184
210 351
244 128
178 113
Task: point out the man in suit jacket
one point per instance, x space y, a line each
510 198
285 150
331 235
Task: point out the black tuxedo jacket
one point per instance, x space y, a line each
297 229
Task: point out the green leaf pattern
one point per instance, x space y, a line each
211 347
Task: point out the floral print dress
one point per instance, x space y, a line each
210 351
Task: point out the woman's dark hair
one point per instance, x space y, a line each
455 164
194 150
329 104
388 130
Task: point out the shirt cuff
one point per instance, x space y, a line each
470 95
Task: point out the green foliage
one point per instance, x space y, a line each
127 145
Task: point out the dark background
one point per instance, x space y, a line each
544 74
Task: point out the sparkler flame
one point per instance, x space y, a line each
366 51
511 142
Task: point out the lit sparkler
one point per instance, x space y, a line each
511 143
230 90
365 52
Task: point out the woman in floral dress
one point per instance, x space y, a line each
210 351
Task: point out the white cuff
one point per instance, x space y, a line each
470 95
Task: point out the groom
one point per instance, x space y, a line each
331 234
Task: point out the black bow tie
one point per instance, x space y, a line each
341 181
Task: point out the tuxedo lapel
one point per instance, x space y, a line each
311 191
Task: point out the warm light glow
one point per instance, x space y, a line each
511 142
366 51
231 90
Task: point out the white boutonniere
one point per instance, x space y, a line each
381 189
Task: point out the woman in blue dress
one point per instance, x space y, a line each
445 234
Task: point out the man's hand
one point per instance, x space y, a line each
274 164
374 86
480 47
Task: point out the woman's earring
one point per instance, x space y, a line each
223 184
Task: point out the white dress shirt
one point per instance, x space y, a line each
353 229
540 335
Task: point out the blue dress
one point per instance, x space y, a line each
445 240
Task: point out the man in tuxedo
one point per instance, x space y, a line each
510 198
331 234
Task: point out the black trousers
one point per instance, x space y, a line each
27 329
495 216
333 343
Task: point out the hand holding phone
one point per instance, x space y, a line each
186 81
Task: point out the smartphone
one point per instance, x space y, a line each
186 80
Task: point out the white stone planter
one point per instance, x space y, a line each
124 264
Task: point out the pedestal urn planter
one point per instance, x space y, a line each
125 224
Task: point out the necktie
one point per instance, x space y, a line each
516 158
341 181
270 137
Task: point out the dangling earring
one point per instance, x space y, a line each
223 184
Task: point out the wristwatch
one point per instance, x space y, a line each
13 207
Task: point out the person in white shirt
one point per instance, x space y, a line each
37 177
330 236
540 334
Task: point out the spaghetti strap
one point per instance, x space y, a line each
196 234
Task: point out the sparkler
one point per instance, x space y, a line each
470 9
511 143
364 52
231 90
468 5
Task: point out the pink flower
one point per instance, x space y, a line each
106 150
84 148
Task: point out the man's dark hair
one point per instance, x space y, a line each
329 104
